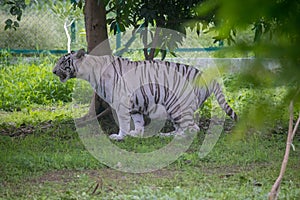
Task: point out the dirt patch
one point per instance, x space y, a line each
101 180
12 130
105 173
65 176
225 171
60 176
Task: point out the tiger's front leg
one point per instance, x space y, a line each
124 125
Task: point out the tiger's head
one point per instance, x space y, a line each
66 66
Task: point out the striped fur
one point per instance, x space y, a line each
134 88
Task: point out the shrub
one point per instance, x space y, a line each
32 82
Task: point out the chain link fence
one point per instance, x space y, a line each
40 29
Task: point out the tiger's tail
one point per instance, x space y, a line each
223 103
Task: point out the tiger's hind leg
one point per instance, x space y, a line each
183 122
138 120
181 131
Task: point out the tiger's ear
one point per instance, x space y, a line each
80 53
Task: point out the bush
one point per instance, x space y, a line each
32 82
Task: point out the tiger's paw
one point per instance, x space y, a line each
194 129
116 137
136 133
168 134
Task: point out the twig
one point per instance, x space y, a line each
102 114
99 183
67 33
296 126
273 195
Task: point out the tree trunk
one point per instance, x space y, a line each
97 40
95 26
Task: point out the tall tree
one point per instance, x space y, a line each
95 26
96 34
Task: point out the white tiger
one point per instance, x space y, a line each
133 88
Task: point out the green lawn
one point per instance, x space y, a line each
43 157
47 160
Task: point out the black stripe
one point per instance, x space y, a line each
176 119
170 101
136 100
196 74
177 66
157 94
168 67
146 99
151 86
166 93
229 112
157 70
188 74
120 65
104 91
175 109
114 66
187 67
170 104
221 101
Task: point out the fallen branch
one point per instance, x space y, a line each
90 118
273 195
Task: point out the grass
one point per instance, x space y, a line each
53 163
43 157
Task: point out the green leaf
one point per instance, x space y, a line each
10 2
19 17
8 22
80 4
7 27
198 29
112 26
16 24
156 52
173 53
163 54
14 10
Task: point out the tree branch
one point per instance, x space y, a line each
296 126
67 33
273 195
154 43
85 119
